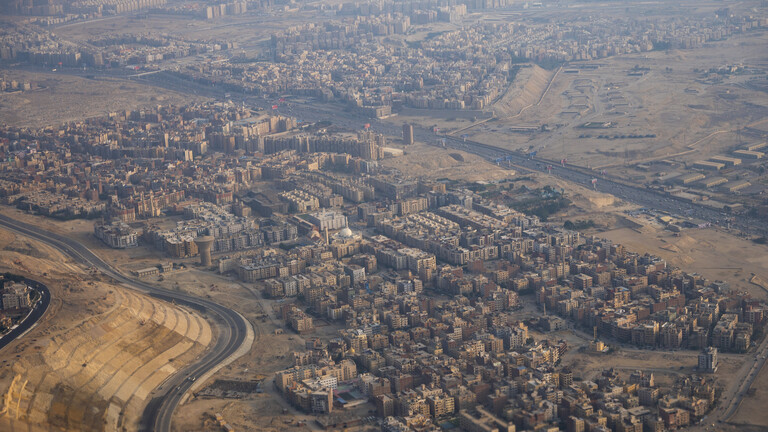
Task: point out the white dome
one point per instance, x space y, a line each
345 232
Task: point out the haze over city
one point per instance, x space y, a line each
391 215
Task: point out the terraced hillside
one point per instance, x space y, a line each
525 92
95 357
97 374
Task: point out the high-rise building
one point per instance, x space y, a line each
408 134
708 360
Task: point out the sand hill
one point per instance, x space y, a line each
434 163
94 358
527 89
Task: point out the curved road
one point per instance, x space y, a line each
30 320
232 327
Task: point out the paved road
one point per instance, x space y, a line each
161 408
158 414
37 312
651 199
637 194
733 400
735 390
736 387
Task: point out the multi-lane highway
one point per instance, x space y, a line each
232 327
637 194
651 199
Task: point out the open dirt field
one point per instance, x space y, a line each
530 85
271 352
667 364
434 163
714 253
56 98
670 100
246 30
82 230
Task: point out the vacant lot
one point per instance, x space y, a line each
56 98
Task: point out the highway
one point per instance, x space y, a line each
637 194
37 312
158 413
733 400
735 390
651 199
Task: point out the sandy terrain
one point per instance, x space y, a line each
56 98
667 364
246 30
446 122
433 162
95 357
670 101
82 230
269 353
752 409
714 254
531 83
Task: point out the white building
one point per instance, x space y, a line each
331 220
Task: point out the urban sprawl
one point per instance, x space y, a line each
424 279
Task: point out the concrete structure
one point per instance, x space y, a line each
708 360
713 181
754 147
480 420
117 235
689 178
737 185
749 154
708 165
204 244
728 161
15 296
407 134
331 220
